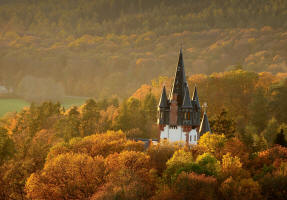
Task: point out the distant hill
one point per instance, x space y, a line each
105 47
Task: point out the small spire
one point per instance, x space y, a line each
163 99
186 100
195 97
204 126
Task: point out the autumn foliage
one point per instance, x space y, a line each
93 151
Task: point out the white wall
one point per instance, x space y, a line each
177 135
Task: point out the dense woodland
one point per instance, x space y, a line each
123 44
90 152
121 52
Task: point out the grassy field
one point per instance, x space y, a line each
12 105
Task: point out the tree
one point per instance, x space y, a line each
270 131
97 145
90 117
231 166
274 187
237 148
279 98
177 163
195 186
209 164
240 189
150 106
128 177
280 139
213 143
67 176
7 148
69 126
159 155
222 123
259 113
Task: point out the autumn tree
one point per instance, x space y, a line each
159 155
97 145
194 186
240 189
214 143
67 176
274 187
231 166
129 177
223 123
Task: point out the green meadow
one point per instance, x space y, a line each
15 104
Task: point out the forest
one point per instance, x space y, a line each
123 44
91 151
116 55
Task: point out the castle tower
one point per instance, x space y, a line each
179 115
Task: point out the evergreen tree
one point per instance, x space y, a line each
280 139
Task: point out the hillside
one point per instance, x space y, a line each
102 48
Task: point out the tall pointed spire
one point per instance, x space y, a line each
178 87
163 100
204 126
195 98
186 100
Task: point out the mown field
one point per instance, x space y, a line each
15 104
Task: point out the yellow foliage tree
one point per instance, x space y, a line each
213 143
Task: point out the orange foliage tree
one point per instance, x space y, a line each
67 176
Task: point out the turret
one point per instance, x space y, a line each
204 126
163 108
196 108
187 108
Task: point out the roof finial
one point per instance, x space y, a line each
204 107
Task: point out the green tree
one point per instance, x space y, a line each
90 117
69 126
278 102
259 113
223 123
7 148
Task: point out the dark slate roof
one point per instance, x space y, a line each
186 100
163 103
179 81
195 98
204 126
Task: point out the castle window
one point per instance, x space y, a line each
188 115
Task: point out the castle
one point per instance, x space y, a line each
179 115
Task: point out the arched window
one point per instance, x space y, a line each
188 115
